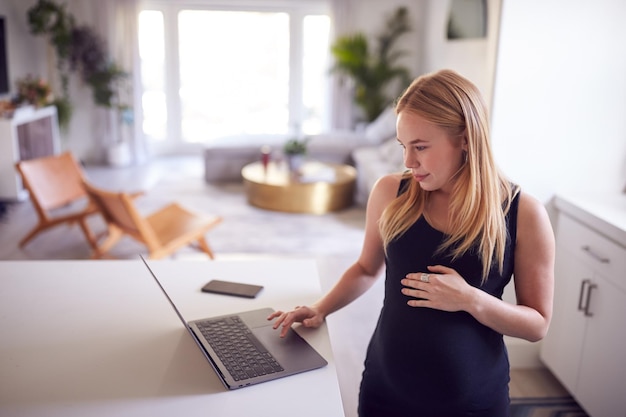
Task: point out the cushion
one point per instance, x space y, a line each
384 127
391 152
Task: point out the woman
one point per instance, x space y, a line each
451 232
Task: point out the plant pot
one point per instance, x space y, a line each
119 155
294 162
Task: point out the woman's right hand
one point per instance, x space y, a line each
308 316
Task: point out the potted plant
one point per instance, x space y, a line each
295 150
372 71
81 50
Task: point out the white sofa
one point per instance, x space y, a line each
372 162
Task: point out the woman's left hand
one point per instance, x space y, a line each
441 288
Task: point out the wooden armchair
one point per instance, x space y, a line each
54 182
163 232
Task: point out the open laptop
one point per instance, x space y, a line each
255 353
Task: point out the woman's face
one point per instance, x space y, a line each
432 155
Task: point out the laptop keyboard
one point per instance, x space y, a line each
238 349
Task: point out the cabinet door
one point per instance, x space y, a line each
561 349
602 376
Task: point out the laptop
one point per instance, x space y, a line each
244 349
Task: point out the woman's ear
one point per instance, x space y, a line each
464 143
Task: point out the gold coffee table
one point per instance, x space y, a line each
318 188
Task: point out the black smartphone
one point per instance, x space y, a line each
232 288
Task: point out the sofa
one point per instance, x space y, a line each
372 162
373 150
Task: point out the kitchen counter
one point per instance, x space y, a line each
605 214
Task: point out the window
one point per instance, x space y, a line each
211 69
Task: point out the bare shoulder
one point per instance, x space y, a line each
532 218
383 192
386 188
387 185
530 207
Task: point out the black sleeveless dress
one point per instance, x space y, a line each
423 362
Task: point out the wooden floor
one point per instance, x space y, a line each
535 382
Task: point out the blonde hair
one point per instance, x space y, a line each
481 195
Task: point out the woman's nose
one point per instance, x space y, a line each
410 161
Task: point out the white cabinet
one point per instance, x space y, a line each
30 133
586 345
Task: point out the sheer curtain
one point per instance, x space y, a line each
117 20
341 94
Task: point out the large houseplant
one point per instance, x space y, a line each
80 50
372 71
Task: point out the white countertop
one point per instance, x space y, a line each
604 213
98 338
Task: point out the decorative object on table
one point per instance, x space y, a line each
34 91
295 150
38 92
78 49
266 152
373 71
7 108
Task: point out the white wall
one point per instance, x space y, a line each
427 47
559 117
368 16
473 58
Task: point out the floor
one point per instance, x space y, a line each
535 382
524 382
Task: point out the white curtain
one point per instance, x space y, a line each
342 108
117 22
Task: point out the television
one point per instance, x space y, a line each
4 67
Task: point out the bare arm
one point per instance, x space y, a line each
533 276
360 276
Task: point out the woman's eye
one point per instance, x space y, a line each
420 148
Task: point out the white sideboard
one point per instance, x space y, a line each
586 345
30 133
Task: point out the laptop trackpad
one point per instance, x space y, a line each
292 352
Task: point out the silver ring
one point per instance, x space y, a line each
424 278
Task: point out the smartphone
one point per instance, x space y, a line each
232 288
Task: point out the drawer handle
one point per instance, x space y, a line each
583 285
595 256
587 312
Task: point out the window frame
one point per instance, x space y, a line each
297 10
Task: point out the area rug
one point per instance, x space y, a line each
546 407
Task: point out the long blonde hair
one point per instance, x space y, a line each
481 195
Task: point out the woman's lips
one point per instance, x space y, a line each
419 178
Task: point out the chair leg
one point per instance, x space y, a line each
31 235
91 239
204 247
114 236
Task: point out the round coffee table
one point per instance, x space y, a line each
317 188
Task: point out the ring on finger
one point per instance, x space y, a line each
425 277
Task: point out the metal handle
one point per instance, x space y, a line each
595 255
583 284
587 312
